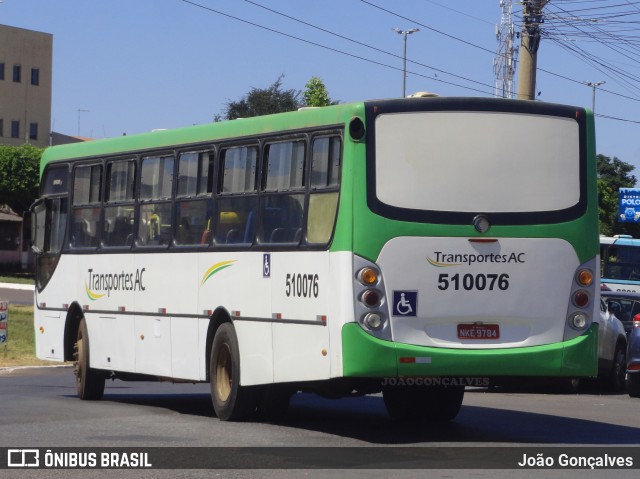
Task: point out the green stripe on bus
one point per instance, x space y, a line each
367 356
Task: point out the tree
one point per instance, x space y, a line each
315 93
613 174
19 176
263 102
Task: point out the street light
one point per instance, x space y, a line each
404 33
593 96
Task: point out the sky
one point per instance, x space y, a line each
132 66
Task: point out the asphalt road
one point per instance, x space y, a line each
16 294
39 409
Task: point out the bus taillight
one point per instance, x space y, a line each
579 320
581 298
371 298
371 308
368 276
373 320
584 277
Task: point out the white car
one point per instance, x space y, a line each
612 349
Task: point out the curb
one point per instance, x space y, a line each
24 287
10 369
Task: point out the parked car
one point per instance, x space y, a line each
612 359
624 306
612 348
633 360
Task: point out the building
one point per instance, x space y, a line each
11 254
25 86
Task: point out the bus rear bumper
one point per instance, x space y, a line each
367 356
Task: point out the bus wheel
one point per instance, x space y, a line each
231 401
89 382
423 403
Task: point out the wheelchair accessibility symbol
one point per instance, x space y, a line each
405 303
266 265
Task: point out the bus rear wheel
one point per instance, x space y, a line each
231 401
89 382
423 403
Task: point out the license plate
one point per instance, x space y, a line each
478 331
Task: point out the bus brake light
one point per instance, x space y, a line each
581 298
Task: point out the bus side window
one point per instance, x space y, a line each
156 217
194 203
237 200
85 222
323 208
323 199
283 202
119 218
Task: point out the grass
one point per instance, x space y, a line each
19 350
17 278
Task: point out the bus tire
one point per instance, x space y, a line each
423 403
231 401
89 382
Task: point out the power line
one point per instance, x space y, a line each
617 119
558 75
460 12
335 50
379 50
378 63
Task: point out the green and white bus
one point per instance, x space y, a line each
408 246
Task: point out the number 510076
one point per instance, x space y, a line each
468 282
302 285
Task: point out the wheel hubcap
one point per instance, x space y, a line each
224 373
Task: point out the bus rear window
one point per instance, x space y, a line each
470 161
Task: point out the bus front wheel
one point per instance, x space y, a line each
423 403
231 401
89 382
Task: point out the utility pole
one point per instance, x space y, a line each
531 20
404 33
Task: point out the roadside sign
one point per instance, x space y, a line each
4 316
629 205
